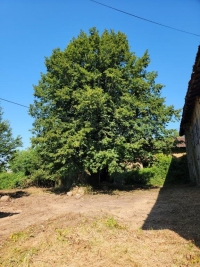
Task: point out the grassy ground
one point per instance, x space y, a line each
75 240
82 235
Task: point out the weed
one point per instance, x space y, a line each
112 223
190 246
140 231
88 189
62 234
18 236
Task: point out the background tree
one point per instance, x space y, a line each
8 144
97 107
25 161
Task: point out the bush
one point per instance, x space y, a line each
13 180
166 169
132 177
160 169
39 179
178 171
26 161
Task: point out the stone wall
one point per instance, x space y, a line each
192 136
190 123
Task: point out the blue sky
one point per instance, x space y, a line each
30 30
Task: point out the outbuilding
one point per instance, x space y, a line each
190 123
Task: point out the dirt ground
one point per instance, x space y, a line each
156 216
37 205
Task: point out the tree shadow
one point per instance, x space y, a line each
16 194
125 181
57 190
112 189
7 214
177 207
106 188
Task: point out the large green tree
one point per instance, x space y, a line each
97 107
8 144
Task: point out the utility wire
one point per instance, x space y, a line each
160 24
14 103
127 13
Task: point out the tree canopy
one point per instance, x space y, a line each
97 106
8 144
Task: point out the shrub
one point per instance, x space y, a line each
26 161
13 180
165 169
178 171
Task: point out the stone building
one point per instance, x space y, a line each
180 146
190 123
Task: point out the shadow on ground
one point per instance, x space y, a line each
16 194
178 209
7 214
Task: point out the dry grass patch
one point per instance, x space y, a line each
76 240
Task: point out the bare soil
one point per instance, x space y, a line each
152 227
35 205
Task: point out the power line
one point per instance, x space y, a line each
160 24
14 103
127 13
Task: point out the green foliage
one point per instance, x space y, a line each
169 170
166 169
132 177
41 178
26 161
178 171
8 144
112 223
160 169
15 237
12 180
97 107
